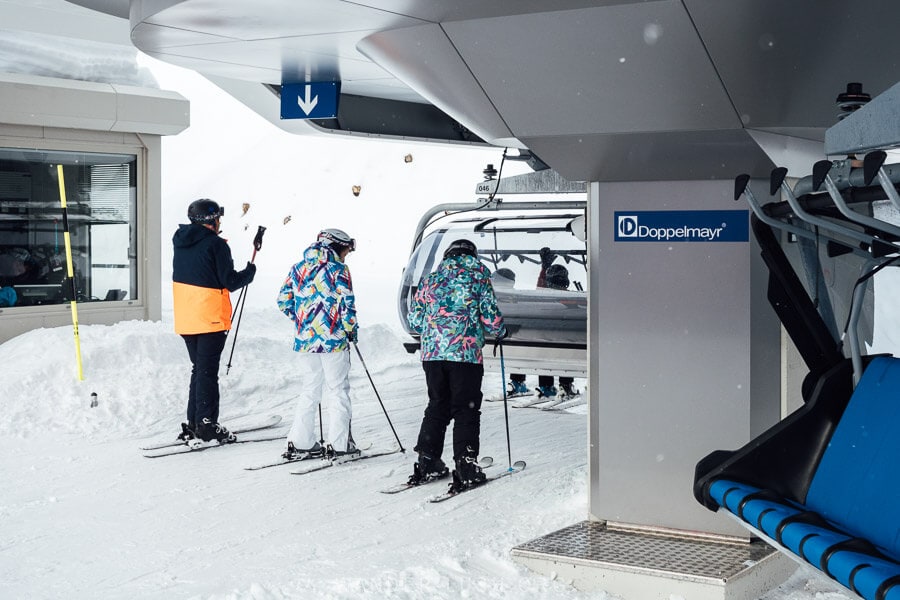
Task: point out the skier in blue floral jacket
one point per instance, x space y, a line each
318 297
451 311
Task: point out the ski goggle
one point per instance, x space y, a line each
210 217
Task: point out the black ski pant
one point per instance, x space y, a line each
454 393
205 350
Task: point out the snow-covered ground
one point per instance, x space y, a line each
84 515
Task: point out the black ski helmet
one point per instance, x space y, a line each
557 277
204 210
461 247
337 239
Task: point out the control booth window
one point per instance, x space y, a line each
101 203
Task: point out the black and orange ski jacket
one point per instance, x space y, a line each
202 276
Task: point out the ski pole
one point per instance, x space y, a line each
321 431
503 383
363 362
239 307
69 270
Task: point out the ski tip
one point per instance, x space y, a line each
518 465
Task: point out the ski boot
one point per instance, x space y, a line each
467 473
567 390
546 391
293 453
187 432
427 469
351 452
516 388
209 433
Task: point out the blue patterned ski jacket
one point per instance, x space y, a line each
318 296
453 308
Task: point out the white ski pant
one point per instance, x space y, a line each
326 372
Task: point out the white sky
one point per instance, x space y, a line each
232 155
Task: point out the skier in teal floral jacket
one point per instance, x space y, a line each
452 309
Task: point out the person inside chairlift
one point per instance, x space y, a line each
554 277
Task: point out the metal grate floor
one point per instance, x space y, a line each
594 542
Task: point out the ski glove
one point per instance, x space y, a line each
353 336
504 334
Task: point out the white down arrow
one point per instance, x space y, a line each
307 104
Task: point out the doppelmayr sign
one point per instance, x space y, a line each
682 226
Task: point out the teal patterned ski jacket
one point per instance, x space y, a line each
453 308
318 297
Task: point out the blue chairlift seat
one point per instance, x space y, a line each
840 510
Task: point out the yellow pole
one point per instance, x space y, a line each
70 270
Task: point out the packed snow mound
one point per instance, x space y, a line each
140 372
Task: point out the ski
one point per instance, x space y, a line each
499 398
185 449
568 403
484 462
287 461
517 466
340 460
532 402
267 423
554 401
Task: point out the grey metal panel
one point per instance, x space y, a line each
648 156
670 356
263 41
557 72
440 11
632 68
439 75
266 19
116 8
874 126
784 63
63 103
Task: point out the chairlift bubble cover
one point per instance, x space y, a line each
539 315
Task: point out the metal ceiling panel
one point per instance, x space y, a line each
441 11
266 19
685 155
784 63
439 75
669 84
321 58
629 68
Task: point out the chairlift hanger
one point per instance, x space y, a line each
876 245
821 175
452 209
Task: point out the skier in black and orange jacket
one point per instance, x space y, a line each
202 276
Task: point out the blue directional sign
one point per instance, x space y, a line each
311 100
682 226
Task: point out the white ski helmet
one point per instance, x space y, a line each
337 239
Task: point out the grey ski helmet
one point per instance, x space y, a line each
337 239
461 247
204 210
